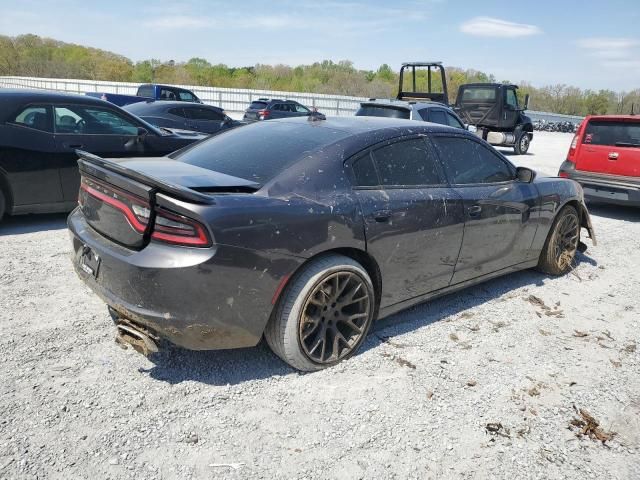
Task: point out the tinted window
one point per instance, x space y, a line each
88 120
511 97
468 161
258 105
364 172
407 162
177 111
300 108
167 94
258 152
424 113
381 111
479 94
453 121
276 107
614 133
438 116
186 96
203 114
145 91
34 117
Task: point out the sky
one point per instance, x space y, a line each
588 44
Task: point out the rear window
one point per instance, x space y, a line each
258 152
381 111
479 94
613 133
258 105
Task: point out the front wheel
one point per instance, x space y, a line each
522 145
324 314
561 245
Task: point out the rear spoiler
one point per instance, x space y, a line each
88 160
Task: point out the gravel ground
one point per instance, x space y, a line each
479 384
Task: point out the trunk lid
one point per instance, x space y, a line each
611 145
117 197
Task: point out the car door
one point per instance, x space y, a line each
413 221
510 113
95 129
202 119
28 157
500 212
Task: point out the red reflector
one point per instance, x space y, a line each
563 175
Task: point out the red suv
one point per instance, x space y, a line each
604 158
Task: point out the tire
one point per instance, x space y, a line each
562 242
312 344
522 144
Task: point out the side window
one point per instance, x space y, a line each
407 162
88 120
178 112
511 99
424 114
36 117
454 122
438 116
301 108
365 172
145 91
276 107
204 114
185 96
469 162
167 94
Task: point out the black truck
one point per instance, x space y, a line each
497 114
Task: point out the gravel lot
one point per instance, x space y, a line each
479 384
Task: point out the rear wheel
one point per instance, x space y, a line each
561 245
324 314
522 145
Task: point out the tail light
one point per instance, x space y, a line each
168 227
179 230
136 210
263 114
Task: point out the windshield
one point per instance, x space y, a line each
260 151
612 133
382 111
479 94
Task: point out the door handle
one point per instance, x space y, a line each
382 215
613 155
74 145
475 211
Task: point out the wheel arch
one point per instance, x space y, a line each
362 257
5 189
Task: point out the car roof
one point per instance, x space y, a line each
613 117
161 105
485 84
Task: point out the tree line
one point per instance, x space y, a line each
33 56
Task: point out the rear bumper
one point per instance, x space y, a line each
199 299
600 187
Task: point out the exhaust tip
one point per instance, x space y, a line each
141 342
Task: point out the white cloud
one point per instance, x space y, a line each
609 48
495 27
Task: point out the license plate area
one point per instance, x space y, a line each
89 262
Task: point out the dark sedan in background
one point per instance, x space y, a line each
306 231
40 132
197 117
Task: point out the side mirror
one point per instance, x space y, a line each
526 102
525 175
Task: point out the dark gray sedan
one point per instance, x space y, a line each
305 232
187 116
